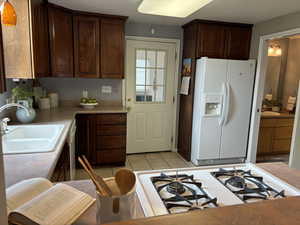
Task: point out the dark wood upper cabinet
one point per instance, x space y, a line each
223 40
40 40
112 48
86 46
61 41
238 41
2 69
211 40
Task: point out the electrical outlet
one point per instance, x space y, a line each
106 89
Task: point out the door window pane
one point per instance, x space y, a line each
150 75
140 94
160 76
140 76
149 94
140 58
151 59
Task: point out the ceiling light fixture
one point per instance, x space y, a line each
274 50
8 14
173 8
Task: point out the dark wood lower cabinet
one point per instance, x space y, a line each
102 138
275 136
62 169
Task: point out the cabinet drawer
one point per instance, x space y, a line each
283 132
282 146
109 142
267 122
112 156
284 122
111 130
111 119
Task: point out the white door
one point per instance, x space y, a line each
236 126
150 79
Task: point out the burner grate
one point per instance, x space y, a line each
183 192
246 186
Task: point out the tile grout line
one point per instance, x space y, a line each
149 164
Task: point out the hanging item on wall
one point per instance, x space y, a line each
187 67
185 85
274 50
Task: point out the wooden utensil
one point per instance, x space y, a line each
98 187
98 178
125 180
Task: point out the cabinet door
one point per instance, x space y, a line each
112 48
61 42
211 41
265 141
85 137
62 168
40 38
2 71
238 42
86 46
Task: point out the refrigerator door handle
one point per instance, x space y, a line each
221 121
227 104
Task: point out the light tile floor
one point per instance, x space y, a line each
138 162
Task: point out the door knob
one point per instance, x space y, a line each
129 99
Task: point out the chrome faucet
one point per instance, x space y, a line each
3 122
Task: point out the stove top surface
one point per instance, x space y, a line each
198 188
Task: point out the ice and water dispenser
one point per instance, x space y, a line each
213 105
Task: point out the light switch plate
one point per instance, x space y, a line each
106 89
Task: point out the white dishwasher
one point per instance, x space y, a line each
71 143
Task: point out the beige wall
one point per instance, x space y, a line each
292 75
276 70
278 24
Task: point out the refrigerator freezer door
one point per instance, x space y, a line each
206 137
236 125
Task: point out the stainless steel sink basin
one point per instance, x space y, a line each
31 138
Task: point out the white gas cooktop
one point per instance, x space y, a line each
163 192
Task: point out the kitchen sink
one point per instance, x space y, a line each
31 138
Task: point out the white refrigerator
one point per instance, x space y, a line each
222 109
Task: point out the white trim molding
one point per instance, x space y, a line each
259 90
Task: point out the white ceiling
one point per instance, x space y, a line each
244 11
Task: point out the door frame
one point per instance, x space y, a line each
258 94
176 81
